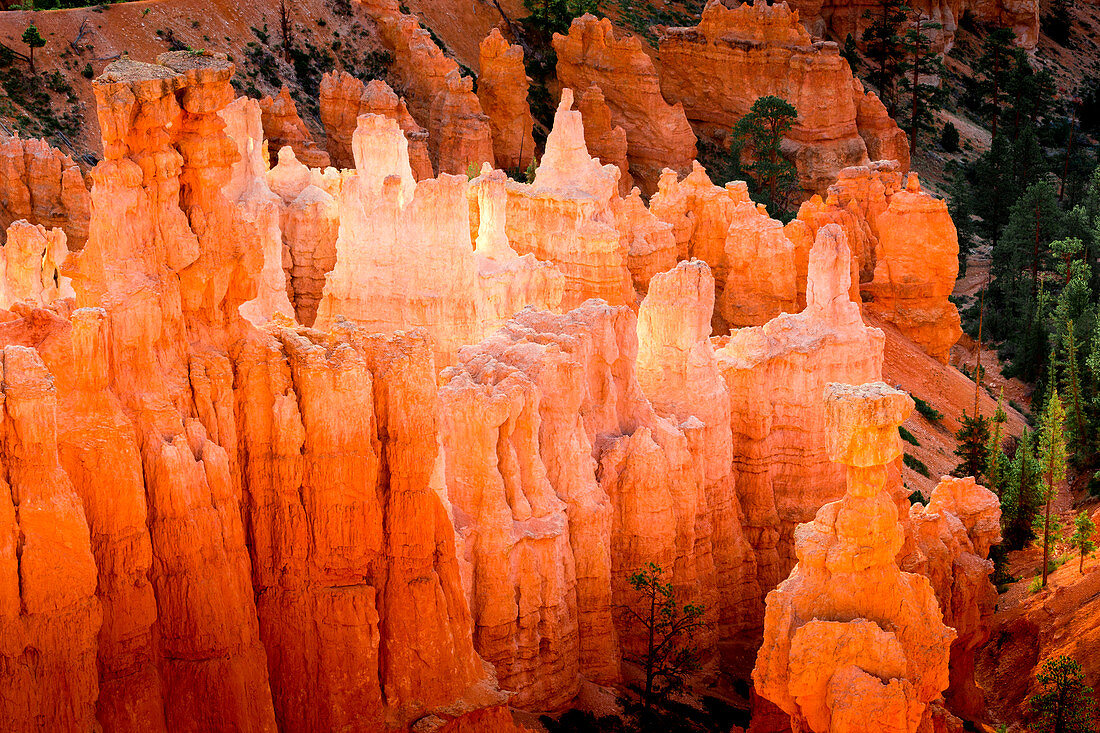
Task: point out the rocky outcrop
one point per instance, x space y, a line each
260 209
948 542
906 249
310 223
851 642
658 133
567 218
49 613
757 267
717 69
776 374
679 374
405 259
462 136
282 126
30 266
650 243
838 18
344 609
344 98
41 185
605 140
502 90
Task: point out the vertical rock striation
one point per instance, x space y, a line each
502 90
42 185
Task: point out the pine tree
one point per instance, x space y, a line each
668 627
1083 529
919 76
973 448
555 16
760 134
1021 499
1052 459
1031 94
850 53
34 40
998 468
1063 703
883 46
992 68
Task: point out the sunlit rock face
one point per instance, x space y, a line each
736 55
502 90
566 217
135 479
283 127
658 133
30 266
905 246
605 140
404 256
344 98
759 265
838 18
776 374
42 185
851 642
948 542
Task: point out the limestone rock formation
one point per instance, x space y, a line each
906 249
838 18
948 542
30 266
604 140
851 642
44 186
310 224
679 373
49 613
650 243
757 267
776 374
282 127
405 259
502 90
717 69
344 98
260 209
567 217
658 133
462 134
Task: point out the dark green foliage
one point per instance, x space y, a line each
1082 539
757 141
1058 21
1063 703
884 46
34 40
1021 499
917 465
907 436
992 68
918 79
555 16
930 413
973 448
917 498
850 53
87 73
949 138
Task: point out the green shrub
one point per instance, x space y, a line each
949 138
87 73
930 413
917 498
907 436
917 465
1036 584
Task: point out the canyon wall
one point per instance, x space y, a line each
42 185
838 18
717 69
658 133
282 126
